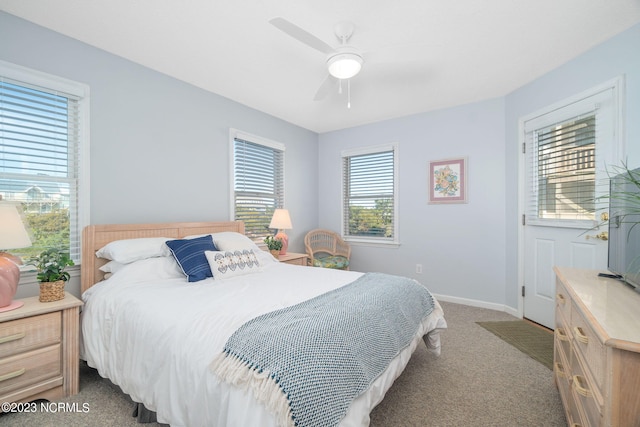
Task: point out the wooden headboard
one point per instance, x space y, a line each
95 237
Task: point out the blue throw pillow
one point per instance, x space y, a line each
189 253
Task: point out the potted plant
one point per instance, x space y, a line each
51 265
274 245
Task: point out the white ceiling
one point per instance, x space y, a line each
420 55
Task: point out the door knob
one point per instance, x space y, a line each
601 236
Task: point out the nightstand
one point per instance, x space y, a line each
294 258
39 350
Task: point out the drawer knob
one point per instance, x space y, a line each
14 337
561 334
580 336
12 374
560 370
578 382
560 299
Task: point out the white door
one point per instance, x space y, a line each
567 151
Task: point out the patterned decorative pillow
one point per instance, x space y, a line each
189 253
226 264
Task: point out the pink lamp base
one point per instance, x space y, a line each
285 241
12 306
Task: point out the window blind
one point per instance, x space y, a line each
39 144
563 168
258 176
369 194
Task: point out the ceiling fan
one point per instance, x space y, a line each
343 62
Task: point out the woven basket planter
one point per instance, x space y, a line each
275 253
51 291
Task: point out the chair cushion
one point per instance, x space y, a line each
332 261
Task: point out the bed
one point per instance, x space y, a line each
201 353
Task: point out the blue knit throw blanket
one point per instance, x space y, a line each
309 361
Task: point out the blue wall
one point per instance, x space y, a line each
469 252
159 146
460 246
619 56
160 152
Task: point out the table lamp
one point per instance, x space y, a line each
281 221
13 234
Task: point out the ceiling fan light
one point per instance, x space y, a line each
345 65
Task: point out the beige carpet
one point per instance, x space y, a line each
479 380
529 338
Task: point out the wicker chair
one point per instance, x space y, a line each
327 249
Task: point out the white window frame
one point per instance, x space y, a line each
581 104
372 241
238 134
28 76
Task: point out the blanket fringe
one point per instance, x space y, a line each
232 370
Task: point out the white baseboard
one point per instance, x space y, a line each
477 303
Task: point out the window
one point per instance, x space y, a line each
258 182
567 149
42 133
370 201
566 169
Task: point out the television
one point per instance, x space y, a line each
624 227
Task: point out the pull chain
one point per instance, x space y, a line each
349 93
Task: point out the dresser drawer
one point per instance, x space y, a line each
589 347
562 373
562 334
563 300
29 368
18 336
587 398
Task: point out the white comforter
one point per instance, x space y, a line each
154 335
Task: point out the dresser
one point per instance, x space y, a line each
597 349
39 350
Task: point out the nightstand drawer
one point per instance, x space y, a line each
29 368
18 336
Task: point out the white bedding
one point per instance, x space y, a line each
154 334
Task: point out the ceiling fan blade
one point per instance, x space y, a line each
301 35
326 86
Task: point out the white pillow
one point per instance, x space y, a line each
156 268
225 264
130 250
229 240
111 267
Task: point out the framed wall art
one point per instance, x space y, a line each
448 181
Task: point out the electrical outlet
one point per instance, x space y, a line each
419 268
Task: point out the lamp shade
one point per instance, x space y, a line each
13 233
281 220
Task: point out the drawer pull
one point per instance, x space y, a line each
580 336
576 425
12 374
14 337
560 370
580 389
561 334
560 299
